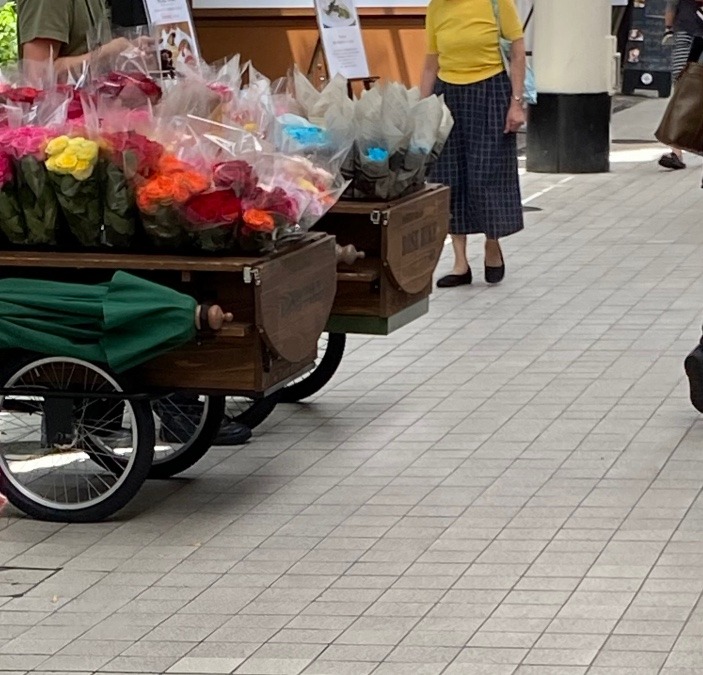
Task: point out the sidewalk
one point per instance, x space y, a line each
511 485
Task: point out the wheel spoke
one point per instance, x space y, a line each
55 472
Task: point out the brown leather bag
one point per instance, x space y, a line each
682 125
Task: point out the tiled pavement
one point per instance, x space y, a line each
511 485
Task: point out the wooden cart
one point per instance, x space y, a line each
77 441
402 241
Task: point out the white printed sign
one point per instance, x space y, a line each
172 25
340 31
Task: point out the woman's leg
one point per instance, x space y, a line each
461 260
494 254
681 52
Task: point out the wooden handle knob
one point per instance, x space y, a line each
348 254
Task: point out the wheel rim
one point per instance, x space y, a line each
322 346
65 472
179 423
238 405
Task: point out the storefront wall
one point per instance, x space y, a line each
276 38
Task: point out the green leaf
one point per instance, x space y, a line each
38 201
81 206
11 221
8 34
120 214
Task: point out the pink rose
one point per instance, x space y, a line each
6 173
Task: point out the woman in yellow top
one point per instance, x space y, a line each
479 163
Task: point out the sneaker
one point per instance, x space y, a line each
671 161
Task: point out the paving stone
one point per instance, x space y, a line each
509 485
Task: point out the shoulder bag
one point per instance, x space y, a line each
682 124
530 88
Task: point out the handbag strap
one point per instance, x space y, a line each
496 14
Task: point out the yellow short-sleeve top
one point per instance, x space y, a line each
464 34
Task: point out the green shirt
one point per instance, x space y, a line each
66 21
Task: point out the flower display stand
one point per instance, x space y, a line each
402 241
281 303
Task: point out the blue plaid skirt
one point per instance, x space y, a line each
479 162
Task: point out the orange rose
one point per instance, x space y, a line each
196 182
169 164
259 221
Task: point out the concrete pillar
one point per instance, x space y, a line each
576 71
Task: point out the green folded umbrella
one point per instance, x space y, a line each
122 323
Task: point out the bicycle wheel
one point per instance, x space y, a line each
251 412
52 443
331 346
186 428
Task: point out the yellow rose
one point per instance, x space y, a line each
83 170
57 145
306 185
65 162
82 147
87 151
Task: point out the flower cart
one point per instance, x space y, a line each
389 287
78 440
211 188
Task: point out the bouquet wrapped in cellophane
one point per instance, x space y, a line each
11 217
71 162
396 136
25 146
216 159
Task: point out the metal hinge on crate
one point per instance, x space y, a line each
379 217
252 275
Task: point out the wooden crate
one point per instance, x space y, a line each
403 241
280 302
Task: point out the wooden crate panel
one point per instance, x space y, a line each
294 296
414 237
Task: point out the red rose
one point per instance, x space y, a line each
75 104
135 153
223 91
133 89
26 95
237 175
276 201
217 207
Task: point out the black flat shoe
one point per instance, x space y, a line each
672 161
232 433
494 275
452 280
694 371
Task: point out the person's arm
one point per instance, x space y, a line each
670 14
670 20
511 29
40 51
431 65
37 53
518 67
429 75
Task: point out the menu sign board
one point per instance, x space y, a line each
341 37
172 25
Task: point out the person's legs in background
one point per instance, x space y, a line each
679 58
